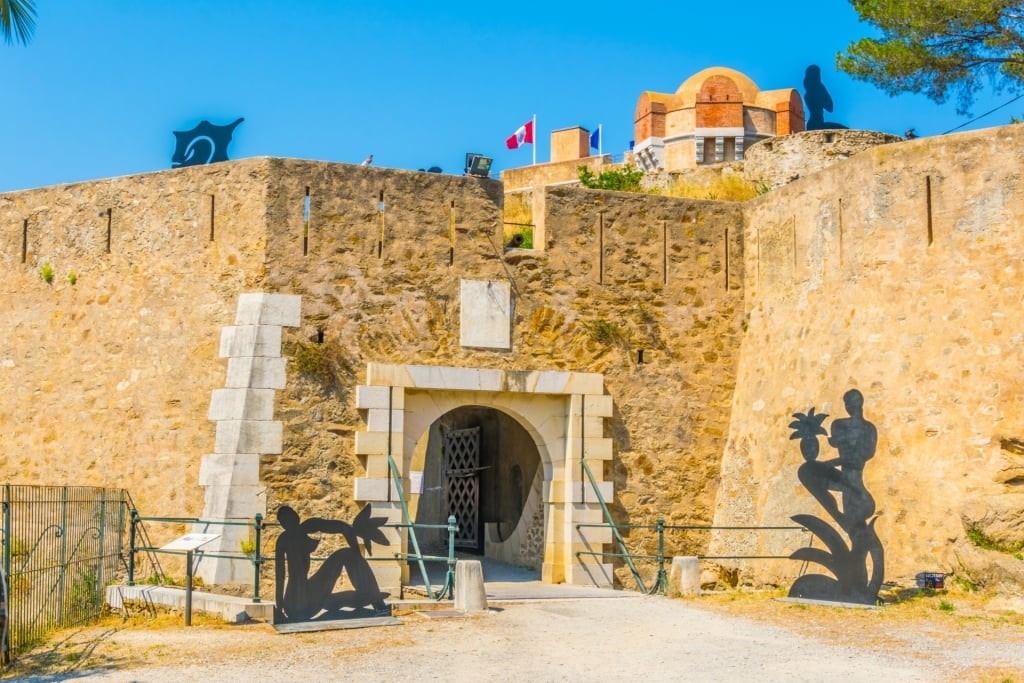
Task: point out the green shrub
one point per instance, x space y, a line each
624 179
46 272
977 536
72 278
606 332
321 362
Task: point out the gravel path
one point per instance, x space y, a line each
648 638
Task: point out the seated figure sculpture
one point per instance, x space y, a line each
303 597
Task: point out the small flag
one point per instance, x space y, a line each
595 138
522 136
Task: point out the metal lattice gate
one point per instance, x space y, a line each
462 483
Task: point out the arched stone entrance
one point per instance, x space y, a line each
481 466
562 413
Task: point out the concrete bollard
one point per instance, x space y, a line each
684 577
470 595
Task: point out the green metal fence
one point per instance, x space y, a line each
659 583
62 545
139 544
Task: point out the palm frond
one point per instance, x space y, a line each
17 20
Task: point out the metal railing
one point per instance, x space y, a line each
660 584
258 559
138 532
62 545
448 589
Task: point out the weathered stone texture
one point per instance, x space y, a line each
107 381
780 160
897 273
744 314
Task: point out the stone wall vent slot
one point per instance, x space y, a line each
110 222
305 223
726 242
24 241
664 252
380 213
213 206
928 206
451 234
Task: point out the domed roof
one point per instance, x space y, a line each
686 94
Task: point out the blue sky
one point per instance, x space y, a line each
102 85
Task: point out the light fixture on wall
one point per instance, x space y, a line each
478 165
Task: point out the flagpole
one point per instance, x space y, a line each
534 145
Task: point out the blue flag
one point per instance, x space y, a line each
595 139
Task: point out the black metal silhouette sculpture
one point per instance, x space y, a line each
818 101
204 144
304 597
855 439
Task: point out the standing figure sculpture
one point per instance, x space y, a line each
301 596
818 101
838 485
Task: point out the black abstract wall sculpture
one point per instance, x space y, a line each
301 596
857 561
204 144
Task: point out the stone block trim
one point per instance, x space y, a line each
483 379
242 404
250 340
564 412
254 372
281 310
245 429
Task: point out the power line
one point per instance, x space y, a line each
977 118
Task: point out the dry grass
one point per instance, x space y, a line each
908 622
723 187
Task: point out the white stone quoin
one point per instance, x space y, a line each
243 412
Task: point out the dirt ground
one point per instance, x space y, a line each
735 636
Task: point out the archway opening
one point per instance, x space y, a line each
482 466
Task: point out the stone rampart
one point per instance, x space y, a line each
896 273
110 379
779 160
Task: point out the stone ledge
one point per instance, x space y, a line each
230 608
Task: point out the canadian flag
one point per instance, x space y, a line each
522 136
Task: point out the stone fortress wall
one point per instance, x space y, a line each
129 354
894 272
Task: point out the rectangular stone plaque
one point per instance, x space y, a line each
485 319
